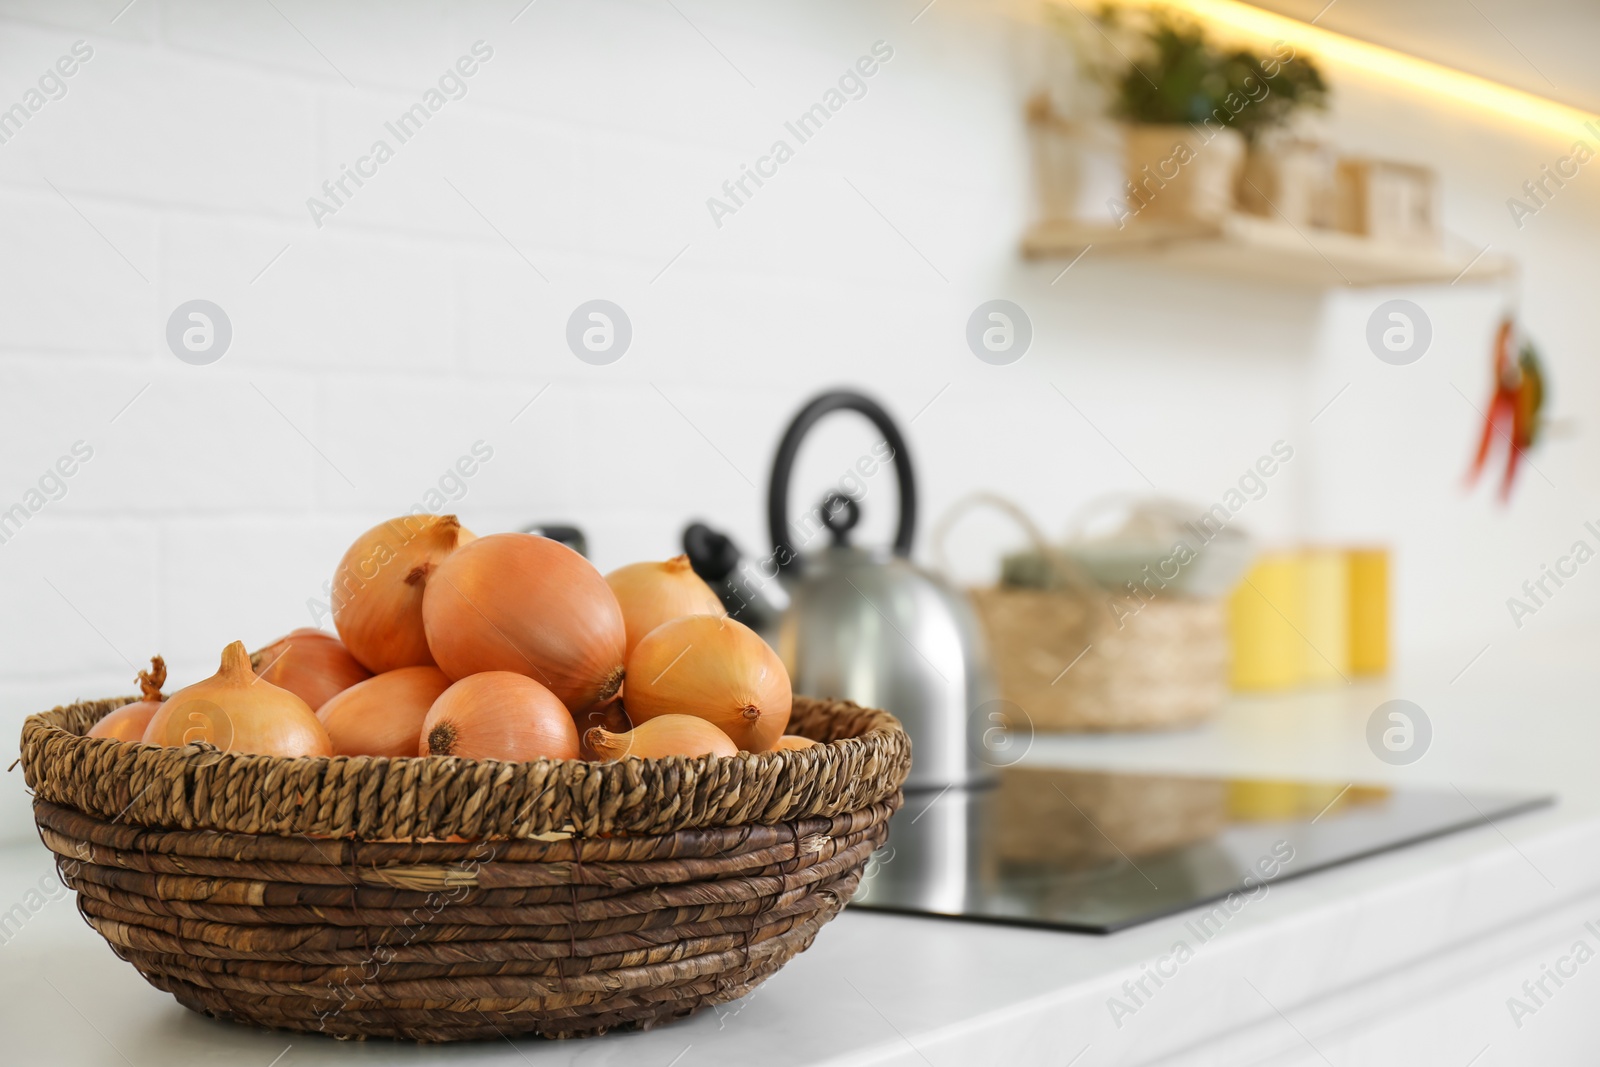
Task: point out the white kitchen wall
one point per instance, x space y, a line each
428 312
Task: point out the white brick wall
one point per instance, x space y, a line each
79 295
407 327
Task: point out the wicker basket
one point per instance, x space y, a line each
1061 656
442 899
1066 660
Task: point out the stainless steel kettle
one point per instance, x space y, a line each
861 624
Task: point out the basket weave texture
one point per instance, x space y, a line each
1073 655
1063 657
442 899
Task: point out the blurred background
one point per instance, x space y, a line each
379 330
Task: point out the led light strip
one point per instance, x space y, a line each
1384 62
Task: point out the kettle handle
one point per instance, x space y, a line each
786 555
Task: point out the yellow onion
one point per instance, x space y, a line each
518 602
498 715
653 593
312 664
128 723
378 587
238 712
664 735
383 715
792 743
717 669
613 717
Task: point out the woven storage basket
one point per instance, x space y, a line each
1066 659
442 899
1166 666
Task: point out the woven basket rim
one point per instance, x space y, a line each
863 761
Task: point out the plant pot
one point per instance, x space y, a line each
1180 173
1291 180
1077 166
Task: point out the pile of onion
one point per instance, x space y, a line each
235 711
717 669
379 585
312 664
664 735
128 723
498 715
653 593
507 647
383 715
522 603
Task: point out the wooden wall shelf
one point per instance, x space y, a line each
1246 246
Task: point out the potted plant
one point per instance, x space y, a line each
1191 110
1285 175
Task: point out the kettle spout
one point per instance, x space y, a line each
749 588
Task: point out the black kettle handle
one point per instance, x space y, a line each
783 465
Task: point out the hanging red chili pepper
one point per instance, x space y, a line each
1514 406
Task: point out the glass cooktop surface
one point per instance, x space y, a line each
1094 851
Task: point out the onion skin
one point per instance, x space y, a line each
312 664
714 668
613 717
522 603
378 589
653 593
664 735
792 743
238 712
383 715
498 715
129 722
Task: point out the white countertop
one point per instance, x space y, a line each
1349 965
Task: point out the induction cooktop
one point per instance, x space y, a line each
1095 852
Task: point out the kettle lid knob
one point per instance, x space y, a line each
840 513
